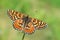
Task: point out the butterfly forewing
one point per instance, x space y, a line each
38 24
14 15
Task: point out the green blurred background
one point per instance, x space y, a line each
45 10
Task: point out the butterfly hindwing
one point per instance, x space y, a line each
18 24
29 28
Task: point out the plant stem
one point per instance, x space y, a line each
23 36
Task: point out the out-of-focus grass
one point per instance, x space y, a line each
45 10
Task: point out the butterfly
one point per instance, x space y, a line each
24 22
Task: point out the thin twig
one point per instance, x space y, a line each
23 36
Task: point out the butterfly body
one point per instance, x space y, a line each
24 22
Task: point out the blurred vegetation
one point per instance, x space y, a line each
45 10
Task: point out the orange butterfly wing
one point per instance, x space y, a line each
17 18
34 24
29 28
18 24
38 24
14 15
